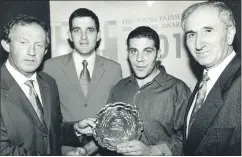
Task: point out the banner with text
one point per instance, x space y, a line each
118 19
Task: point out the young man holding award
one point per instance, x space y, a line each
160 98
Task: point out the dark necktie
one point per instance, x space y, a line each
35 101
85 78
201 94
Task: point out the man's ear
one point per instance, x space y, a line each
127 58
230 34
98 36
70 36
5 45
158 57
46 51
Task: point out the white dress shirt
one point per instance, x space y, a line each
78 62
213 75
21 79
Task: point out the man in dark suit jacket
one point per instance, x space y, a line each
213 116
77 103
30 119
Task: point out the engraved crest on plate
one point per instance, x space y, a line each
116 123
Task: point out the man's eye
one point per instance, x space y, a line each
23 42
208 30
190 35
90 30
148 51
132 51
39 46
76 30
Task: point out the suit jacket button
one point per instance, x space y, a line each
85 105
44 137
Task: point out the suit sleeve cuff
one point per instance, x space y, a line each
163 149
69 136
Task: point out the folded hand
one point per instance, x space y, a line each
85 126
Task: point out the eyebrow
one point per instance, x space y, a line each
149 48
208 27
205 27
22 38
75 28
190 31
132 48
91 27
39 42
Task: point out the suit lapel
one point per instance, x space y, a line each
46 99
98 72
18 98
229 72
69 70
205 117
189 106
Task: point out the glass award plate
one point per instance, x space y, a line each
117 123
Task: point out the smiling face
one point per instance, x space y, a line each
26 48
142 56
207 37
84 35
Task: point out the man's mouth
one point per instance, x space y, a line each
204 53
140 68
30 60
84 43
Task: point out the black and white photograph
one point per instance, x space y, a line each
120 78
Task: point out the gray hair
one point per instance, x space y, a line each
225 14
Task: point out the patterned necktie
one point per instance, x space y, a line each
201 94
35 101
85 78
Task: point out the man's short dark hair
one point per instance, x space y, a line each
145 32
83 12
22 20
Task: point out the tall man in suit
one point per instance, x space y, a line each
84 78
30 119
213 116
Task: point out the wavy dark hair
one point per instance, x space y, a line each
145 32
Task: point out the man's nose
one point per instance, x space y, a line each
140 57
31 50
84 36
199 43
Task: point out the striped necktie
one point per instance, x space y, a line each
201 94
85 78
35 101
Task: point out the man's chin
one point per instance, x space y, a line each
87 53
28 73
140 77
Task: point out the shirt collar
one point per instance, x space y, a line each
78 58
160 78
215 72
19 78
